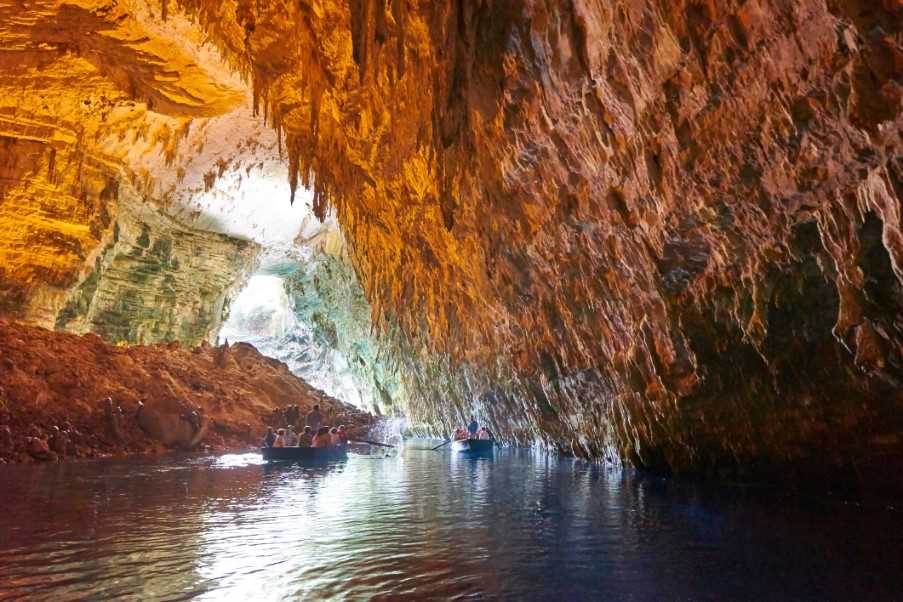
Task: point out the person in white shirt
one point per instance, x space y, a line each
280 438
291 439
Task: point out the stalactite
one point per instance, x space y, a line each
652 203
294 159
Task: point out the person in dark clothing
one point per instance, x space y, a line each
306 438
315 419
473 427
270 437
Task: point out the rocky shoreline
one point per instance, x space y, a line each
65 397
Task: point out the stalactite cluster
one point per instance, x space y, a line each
667 232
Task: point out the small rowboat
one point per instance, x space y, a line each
303 454
472 446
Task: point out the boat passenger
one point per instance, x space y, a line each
321 439
306 438
473 427
485 433
280 438
460 434
343 435
291 438
315 419
270 437
334 439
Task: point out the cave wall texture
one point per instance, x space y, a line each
107 121
328 300
667 232
157 280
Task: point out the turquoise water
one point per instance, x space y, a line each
427 525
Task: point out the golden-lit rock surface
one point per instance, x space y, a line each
665 232
108 122
668 230
222 396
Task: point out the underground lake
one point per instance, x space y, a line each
517 525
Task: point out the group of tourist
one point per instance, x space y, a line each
322 437
473 431
288 415
314 434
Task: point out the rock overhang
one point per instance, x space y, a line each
587 220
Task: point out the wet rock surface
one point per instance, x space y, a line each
661 232
665 232
65 396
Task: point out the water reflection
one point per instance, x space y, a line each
517 524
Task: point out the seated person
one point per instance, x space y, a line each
306 438
484 433
343 435
291 439
321 439
334 438
460 434
270 437
280 438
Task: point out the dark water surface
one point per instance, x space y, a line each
426 525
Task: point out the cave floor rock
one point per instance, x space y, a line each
51 381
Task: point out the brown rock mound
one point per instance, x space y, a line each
50 379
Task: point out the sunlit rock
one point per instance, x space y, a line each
662 233
110 399
311 313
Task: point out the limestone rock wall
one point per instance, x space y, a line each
665 231
81 250
328 298
104 112
158 280
308 309
56 210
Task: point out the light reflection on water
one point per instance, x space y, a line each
424 525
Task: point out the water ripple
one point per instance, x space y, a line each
423 525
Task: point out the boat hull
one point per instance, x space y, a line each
473 446
303 454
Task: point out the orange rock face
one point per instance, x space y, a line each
107 119
665 232
50 379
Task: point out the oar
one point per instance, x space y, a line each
441 445
370 442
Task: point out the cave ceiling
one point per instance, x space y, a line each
668 231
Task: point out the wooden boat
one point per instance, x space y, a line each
472 446
304 454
